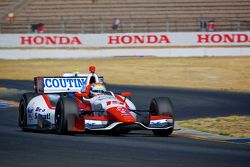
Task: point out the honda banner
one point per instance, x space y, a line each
163 39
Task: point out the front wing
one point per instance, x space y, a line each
154 124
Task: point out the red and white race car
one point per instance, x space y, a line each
80 102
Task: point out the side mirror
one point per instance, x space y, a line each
126 94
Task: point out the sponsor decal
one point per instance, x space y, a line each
155 123
124 111
159 123
64 82
45 116
104 97
30 111
114 103
50 40
138 39
223 38
38 109
33 113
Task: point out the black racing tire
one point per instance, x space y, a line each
22 114
65 107
162 106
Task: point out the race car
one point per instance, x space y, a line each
76 103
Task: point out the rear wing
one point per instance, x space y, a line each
64 84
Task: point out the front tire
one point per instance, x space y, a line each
162 106
64 108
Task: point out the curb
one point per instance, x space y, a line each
189 133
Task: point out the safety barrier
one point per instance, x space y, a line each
23 46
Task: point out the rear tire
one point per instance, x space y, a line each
22 116
65 107
162 106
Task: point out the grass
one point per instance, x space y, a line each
227 73
234 126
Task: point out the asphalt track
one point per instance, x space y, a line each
139 148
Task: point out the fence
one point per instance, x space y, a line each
102 25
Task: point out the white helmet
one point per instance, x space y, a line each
96 89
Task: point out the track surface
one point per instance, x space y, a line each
139 148
188 103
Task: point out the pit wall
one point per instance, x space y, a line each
164 44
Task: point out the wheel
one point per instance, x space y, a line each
22 116
66 106
162 106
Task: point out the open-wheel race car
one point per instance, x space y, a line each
78 102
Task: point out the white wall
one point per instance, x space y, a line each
26 46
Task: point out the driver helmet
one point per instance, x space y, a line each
96 89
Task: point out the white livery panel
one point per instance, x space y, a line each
38 106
